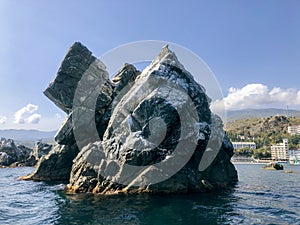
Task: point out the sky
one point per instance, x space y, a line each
252 47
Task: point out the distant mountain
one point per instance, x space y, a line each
259 113
24 136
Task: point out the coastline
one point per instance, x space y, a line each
249 163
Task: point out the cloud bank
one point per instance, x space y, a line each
258 96
27 115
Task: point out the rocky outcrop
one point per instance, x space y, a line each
13 155
149 131
35 155
55 166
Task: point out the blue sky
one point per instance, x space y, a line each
253 47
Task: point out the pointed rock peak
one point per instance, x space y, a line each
166 57
78 44
165 52
79 48
169 57
166 49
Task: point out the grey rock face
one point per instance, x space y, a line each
125 78
61 90
149 131
5 159
55 166
83 80
9 152
65 133
41 149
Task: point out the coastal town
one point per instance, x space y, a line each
279 152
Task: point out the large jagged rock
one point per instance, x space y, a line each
164 115
149 131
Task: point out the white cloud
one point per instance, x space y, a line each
34 118
26 115
3 119
258 95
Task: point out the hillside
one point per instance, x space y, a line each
263 131
260 113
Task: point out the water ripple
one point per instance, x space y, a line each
261 197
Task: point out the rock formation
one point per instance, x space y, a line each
13 155
149 131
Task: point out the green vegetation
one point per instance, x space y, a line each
262 153
264 132
243 152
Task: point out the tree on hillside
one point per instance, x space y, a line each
294 141
262 153
243 152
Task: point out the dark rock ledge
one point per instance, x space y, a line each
149 131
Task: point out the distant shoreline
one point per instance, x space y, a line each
250 163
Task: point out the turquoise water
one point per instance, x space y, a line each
260 197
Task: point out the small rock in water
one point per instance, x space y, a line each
289 171
273 166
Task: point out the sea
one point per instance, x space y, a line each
260 197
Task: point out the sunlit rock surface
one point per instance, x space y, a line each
144 131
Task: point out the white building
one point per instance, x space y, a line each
293 130
280 151
294 156
237 145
